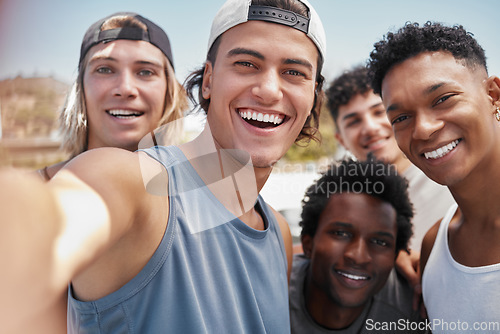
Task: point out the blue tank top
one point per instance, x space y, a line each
227 278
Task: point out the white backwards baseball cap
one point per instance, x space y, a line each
235 12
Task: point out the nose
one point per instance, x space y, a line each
425 125
268 87
371 126
357 252
125 86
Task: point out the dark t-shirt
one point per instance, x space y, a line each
389 311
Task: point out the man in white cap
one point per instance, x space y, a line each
177 238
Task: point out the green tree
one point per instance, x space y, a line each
326 148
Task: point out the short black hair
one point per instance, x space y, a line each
346 86
412 39
371 177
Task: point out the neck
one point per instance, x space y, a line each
228 174
478 193
261 176
92 146
402 164
479 206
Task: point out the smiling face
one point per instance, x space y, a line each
363 127
352 251
125 86
261 89
442 115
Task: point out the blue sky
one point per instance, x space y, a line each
42 37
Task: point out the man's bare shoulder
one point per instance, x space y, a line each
111 164
428 243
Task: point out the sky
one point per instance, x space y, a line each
42 37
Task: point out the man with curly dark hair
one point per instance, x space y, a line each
362 128
445 113
355 220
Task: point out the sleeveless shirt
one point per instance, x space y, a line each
459 298
224 278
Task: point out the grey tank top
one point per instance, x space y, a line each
226 278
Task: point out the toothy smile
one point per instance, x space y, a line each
118 113
261 117
352 276
376 143
442 151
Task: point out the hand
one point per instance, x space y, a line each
408 265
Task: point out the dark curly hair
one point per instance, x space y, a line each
370 177
194 81
346 86
411 40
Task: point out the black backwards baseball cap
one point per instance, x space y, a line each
155 35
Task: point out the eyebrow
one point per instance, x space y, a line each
427 91
243 51
434 87
144 62
379 233
343 224
258 55
385 234
97 58
354 114
290 61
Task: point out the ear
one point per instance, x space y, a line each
493 85
307 244
207 80
339 138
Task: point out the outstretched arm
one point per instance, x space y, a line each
52 231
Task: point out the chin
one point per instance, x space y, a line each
259 161
353 302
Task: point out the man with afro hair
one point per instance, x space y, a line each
355 220
445 112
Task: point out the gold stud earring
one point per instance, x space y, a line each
497 114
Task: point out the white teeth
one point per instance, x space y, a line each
442 151
260 117
353 277
376 143
124 113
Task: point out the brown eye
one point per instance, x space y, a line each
245 63
399 119
295 73
443 99
380 242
